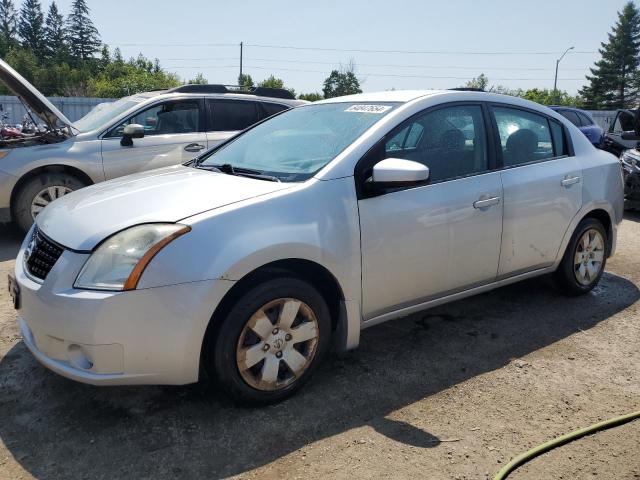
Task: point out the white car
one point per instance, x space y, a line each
305 229
136 133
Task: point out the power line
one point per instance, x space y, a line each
355 50
276 68
436 52
452 67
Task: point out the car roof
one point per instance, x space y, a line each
235 96
402 96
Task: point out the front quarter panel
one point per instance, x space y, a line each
317 221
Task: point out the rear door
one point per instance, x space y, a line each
542 184
174 134
227 117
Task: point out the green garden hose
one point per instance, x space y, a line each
561 440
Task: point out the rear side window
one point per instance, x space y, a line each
524 136
559 142
231 115
586 121
571 116
272 108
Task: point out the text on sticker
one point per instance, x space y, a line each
368 108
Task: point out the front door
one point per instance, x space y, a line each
425 242
174 134
542 188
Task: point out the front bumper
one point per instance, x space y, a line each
148 336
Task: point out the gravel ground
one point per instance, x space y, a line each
450 393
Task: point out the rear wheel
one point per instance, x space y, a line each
585 258
271 341
39 192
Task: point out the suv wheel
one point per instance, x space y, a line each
39 192
585 258
271 341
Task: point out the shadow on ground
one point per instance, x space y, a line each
59 429
633 215
10 240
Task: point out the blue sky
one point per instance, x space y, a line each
183 34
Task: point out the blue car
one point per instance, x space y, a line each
584 121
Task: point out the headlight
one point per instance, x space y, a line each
630 161
118 263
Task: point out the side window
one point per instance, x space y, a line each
571 116
524 136
406 139
451 141
586 121
559 143
272 109
231 115
181 116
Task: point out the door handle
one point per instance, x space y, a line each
193 147
568 181
486 202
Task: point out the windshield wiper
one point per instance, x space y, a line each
238 171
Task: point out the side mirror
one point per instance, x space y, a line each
398 172
130 132
629 135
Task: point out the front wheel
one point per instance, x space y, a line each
585 258
271 341
39 192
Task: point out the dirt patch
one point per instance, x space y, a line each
454 392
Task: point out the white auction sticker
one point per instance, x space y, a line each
368 108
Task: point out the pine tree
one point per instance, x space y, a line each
8 25
31 27
55 44
84 39
613 80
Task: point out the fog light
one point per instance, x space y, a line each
78 357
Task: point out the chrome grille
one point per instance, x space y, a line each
41 255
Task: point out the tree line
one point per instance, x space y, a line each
65 56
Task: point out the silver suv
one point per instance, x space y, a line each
141 132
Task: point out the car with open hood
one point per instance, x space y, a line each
252 260
136 133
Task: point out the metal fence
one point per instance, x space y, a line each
603 118
74 108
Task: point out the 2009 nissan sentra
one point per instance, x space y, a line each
308 227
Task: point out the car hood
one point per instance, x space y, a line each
82 219
32 98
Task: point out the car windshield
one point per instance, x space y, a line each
105 112
294 145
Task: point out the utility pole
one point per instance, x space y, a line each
240 77
555 81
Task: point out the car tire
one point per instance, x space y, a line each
584 260
43 186
246 363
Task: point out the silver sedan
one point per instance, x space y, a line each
254 259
